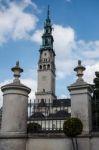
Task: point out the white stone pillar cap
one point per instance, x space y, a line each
79 69
16 84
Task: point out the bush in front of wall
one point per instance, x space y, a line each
72 127
34 127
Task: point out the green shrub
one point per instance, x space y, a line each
33 127
72 127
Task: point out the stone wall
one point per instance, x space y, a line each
47 142
12 144
61 143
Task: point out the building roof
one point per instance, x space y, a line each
60 114
37 115
62 102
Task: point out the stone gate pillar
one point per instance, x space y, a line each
80 93
14 116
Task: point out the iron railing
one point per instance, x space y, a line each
50 116
95 112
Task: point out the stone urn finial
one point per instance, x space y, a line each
17 70
79 69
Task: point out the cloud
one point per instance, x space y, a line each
1 94
36 37
26 3
29 82
15 23
63 96
64 68
89 74
63 44
91 49
64 40
87 49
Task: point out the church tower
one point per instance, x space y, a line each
46 65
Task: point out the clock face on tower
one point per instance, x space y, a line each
43 78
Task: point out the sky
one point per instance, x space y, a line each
76 37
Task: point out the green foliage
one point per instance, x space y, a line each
72 127
33 127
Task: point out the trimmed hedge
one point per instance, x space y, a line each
72 127
34 127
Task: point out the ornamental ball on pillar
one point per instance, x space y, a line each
17 70
79 69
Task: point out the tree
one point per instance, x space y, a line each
73 127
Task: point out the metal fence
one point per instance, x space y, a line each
95 112
49 115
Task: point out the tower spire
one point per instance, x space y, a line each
47 38
48 12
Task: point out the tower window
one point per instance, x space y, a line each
48 66
40 67
45 60
42 101
45 54
43 90
46 41
44 67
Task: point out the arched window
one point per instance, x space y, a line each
45 54
42 100
46 41
44 66
44 59
48 66
40 67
